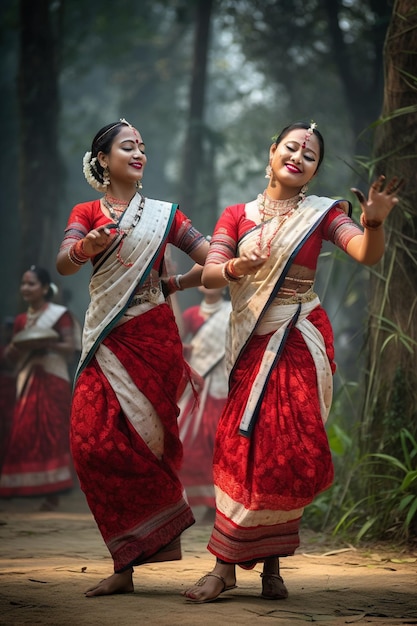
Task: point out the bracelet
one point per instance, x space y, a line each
229 273
230 269
370 225
177 282
172 285
76 254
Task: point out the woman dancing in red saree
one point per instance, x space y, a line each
37 460
124 431
271 453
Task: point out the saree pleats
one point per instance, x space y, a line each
197 471
38 459
264 481
141 512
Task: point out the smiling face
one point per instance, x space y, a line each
32 290
292 164
126 159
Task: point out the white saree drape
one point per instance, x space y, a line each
254 309
113 284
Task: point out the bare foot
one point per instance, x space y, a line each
209 587
116 583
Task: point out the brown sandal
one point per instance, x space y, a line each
201 582
273 587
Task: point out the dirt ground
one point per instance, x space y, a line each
48 559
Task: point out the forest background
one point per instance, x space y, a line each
208 83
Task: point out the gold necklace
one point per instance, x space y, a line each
115 207
268 207
125 233
32 315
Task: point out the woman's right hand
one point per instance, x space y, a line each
249 261
98 240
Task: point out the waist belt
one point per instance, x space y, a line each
151 294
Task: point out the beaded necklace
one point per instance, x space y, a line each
32 315
268 207
273 210
114 206
125 232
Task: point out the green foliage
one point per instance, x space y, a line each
390 508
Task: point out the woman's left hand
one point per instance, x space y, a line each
381 199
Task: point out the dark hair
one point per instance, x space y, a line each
44 278
103 142
305 126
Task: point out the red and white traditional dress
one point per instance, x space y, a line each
272 455
124 431
198 421
37 459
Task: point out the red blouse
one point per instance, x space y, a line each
88 216
336 227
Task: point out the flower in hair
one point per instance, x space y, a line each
91 174
123 121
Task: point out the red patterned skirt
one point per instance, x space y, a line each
37 459
197 470
264 481
136 499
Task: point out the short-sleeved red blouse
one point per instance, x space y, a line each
88 216
336 227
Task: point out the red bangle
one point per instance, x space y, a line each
370 225
229 272
230 269
172 285
76 254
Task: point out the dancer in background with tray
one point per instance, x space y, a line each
37 460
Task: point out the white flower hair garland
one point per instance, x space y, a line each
88 169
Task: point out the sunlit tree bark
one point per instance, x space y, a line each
392 375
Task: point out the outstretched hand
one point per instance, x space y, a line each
98 239
381 199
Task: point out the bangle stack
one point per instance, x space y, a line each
174 284
76 254
229 272
177 282
370 225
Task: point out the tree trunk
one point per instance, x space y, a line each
193 159
392 335
40 168
362 96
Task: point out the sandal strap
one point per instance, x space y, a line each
202 580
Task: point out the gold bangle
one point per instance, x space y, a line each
228 277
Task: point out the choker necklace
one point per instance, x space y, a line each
114 206
208 308
268 207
